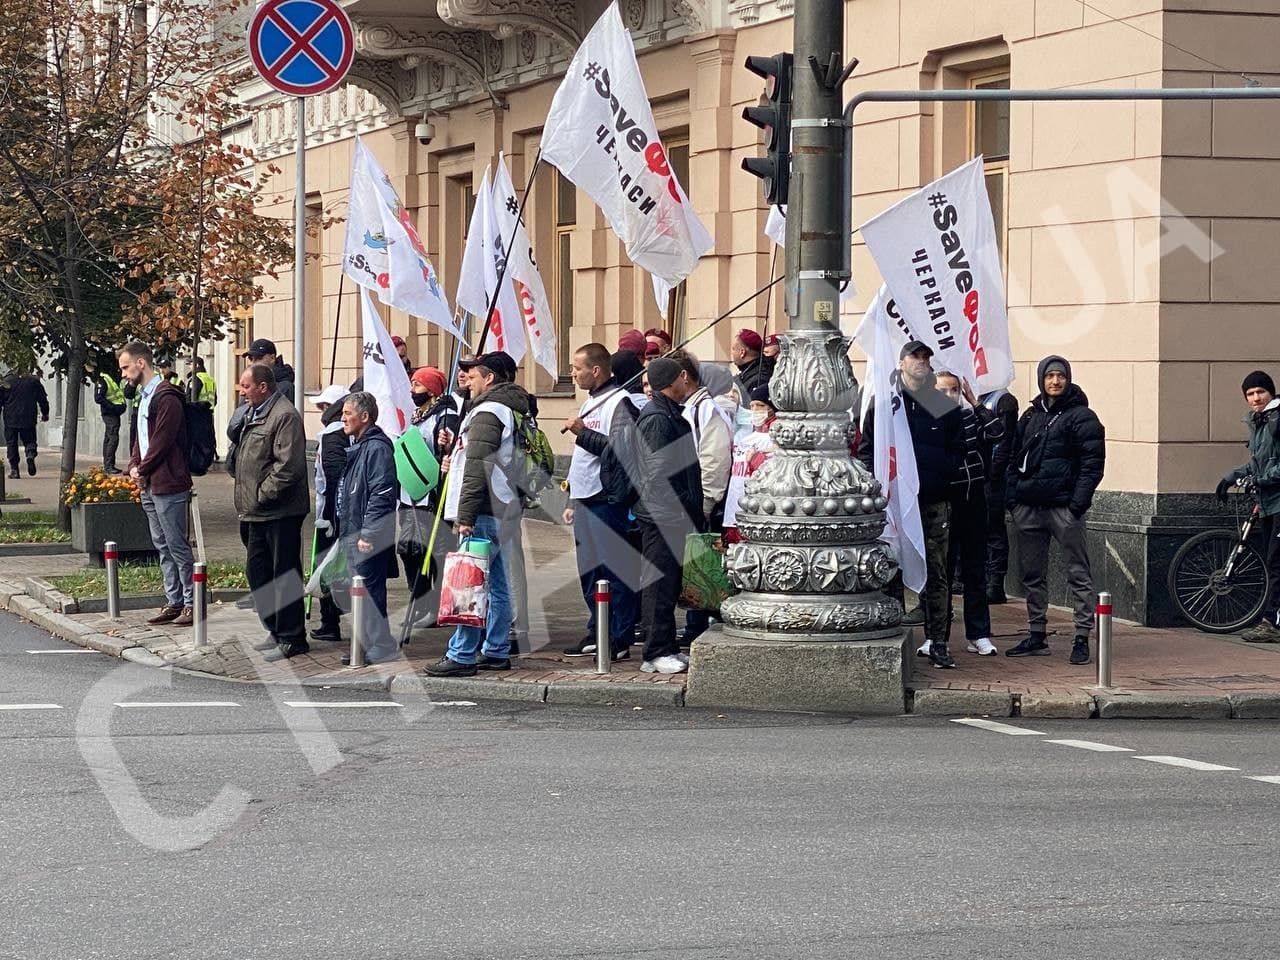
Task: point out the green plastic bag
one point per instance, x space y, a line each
416 466
704 581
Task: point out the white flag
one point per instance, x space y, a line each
938 255
383 251
775 228
895 456
601 134
481 264
384 374
522 273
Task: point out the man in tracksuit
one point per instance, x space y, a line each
1059 453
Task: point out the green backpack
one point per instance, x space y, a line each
534 462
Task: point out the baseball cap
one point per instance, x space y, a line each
913 347
499 361
330 394
260 348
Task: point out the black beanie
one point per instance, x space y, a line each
1259 378
662 373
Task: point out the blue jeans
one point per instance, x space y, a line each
167 517
604 553
467 643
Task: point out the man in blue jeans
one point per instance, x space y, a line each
482 501
158 464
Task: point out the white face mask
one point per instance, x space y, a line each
759 417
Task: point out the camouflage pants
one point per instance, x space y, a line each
936 599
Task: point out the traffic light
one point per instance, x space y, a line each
775 119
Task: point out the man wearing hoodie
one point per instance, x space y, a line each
1059 452
482 501
937 437
367 517
1263 468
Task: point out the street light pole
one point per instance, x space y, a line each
810 566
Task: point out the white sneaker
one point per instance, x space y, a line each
683 658
982 647
664 665
923 649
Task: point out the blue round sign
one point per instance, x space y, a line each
301 47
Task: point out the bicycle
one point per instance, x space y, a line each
1218 580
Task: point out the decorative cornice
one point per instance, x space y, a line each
505 18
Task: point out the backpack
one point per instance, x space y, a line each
533 462
202 444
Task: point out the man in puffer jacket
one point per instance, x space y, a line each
1263 468
1059 452
367 517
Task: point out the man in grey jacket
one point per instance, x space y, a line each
272 499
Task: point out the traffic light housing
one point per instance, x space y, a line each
775 119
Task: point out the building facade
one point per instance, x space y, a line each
1134 234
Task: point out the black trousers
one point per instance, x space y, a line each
968 547
110 440
330 612
24 435
1271 534
659 590
273 566
997 534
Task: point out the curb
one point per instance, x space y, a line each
1112 705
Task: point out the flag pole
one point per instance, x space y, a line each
337 323
687 340
506 254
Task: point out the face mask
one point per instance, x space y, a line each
759 417
421 398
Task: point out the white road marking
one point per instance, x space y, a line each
999 727
176 703
72 650
318 704
30 706
1265 779
1091 745
453 703
1187 764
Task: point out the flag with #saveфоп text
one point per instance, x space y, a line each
601 135
481 264
522 273
937 253
387 381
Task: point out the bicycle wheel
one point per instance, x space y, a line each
1202 592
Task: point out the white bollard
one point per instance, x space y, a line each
1104 640
111 557
359 597
604 655
199 604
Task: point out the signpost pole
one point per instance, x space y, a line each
300 257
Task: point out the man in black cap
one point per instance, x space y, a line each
1059 453
1263 469
483 501
937 437
264 351
668 509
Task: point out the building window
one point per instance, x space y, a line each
989 136
566 219
678 155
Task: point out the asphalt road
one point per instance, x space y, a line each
269 829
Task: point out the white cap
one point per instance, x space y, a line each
330 394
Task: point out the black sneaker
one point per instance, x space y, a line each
586 647
1080 650
1032 645
493 663
283 652
31 466
326 635
913 617
444 667
995 593
623 654
939 656
245 602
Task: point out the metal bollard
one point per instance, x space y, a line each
604 655
1104 640
359 597
199 604
111 557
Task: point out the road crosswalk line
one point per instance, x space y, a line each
998 727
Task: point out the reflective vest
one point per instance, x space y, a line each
115 393
208 390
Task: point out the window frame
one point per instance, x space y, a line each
999 166
562 251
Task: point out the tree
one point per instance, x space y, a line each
127 213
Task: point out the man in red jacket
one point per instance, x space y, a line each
158 464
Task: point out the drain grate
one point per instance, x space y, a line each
1237 679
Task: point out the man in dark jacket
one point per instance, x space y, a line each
937 437
108 394
1263 470
668 508
482 502
264 351
753 369
367 516
22 394
601 494
272 499
158 464
1004 405
1059 453
330 462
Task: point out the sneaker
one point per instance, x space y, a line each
671 664
166 615
14 475
940 657
1263 632
586 647
913 617
683 658
923 649
983 647
245 602
493 663
1032 645
31 466
282 652
270 643
623 654
325 634
444 667
995 593
1080 650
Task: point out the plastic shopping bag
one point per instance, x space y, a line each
330 572
704 582
464 593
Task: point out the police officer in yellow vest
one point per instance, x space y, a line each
206 389
109 396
